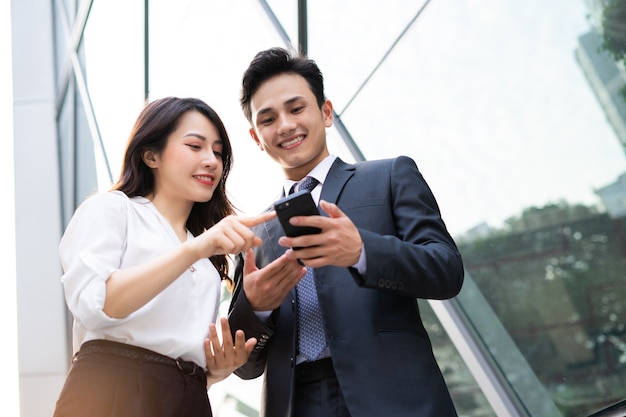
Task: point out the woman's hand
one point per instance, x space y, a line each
223 358
232 234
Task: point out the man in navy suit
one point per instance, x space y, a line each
382 245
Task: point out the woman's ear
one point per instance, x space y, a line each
149 158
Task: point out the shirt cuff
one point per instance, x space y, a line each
263 315
361 264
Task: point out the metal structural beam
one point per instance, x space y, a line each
303 42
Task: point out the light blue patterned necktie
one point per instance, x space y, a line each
311 336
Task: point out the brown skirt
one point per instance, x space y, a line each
109 379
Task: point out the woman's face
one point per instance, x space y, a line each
190 167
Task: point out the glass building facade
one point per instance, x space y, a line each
496 102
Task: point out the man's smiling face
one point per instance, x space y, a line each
289 125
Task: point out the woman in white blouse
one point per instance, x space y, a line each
143 265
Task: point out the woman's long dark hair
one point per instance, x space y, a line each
155 123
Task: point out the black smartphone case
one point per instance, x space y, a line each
297 204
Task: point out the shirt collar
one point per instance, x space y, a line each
319 173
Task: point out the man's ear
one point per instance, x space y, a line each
327 112
150 158
256 138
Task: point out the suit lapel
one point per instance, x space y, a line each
336 179
274 230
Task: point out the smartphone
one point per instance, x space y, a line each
297 204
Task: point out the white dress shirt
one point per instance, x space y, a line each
110 231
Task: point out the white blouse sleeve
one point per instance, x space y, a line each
91 249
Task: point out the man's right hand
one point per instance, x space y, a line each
266 288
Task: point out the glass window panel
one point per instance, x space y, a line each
113 45
556 284
286 11
362 34
89 164
466 394
498 112
79 161
65 132
61 36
